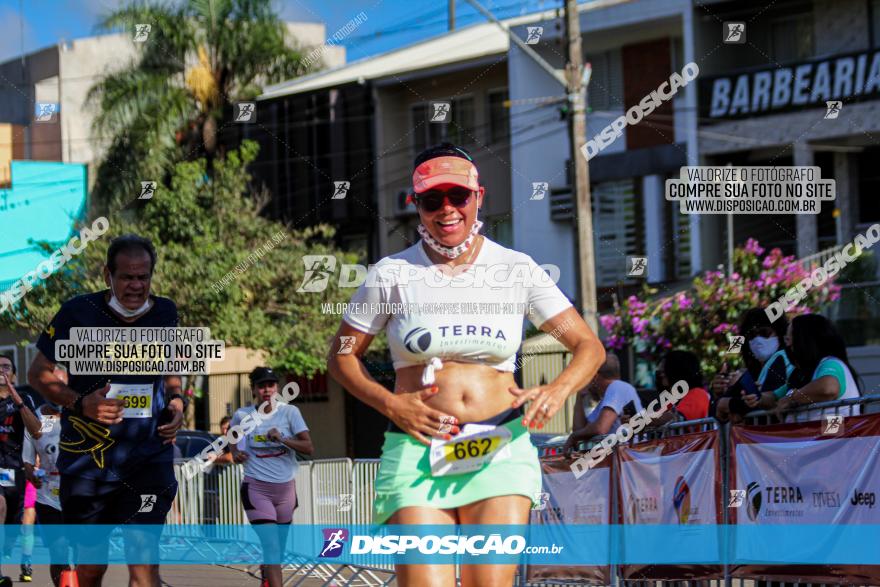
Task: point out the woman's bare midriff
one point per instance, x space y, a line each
469 392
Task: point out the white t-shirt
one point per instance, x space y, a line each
848 390
618 394
269 460
47 448
473 316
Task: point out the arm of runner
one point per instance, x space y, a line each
238 456
41 376
95 405
301 443
29 475
224 457
588 354
407 410
169 430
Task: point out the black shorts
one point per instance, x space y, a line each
142 498
48 515
14 499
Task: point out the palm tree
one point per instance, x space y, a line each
169 104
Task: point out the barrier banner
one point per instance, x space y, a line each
571 501
671 481
795 477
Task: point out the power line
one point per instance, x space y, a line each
408 26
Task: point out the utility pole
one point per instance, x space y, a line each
451 15
574 71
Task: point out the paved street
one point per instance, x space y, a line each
172 575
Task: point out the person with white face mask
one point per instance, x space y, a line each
767 368
764 347
115 456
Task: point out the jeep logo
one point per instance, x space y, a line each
867 498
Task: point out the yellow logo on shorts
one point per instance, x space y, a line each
94 439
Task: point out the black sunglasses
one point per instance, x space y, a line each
433 200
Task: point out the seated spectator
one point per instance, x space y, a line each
819 353
613 396
767 368
682 366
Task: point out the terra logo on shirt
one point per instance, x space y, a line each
417 340
471 330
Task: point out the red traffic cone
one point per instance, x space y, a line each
68 579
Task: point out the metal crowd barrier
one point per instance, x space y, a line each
846 407
212 497
855 406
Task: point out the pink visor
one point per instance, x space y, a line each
445 171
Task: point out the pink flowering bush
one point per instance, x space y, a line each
702 318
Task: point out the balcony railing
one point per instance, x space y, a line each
812 261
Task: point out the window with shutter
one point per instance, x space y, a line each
605 91
615 230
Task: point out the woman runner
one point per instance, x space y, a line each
268 490
456 369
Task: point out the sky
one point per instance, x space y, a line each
389 23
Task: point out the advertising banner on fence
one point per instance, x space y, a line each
671 481
804 475
569 500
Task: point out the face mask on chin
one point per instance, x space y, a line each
449 252
763 348
117 306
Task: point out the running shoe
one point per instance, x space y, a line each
5 582
27 573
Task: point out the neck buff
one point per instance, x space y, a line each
450 252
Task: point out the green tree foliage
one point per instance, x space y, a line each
174 101
225 266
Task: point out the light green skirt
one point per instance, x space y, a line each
404 478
